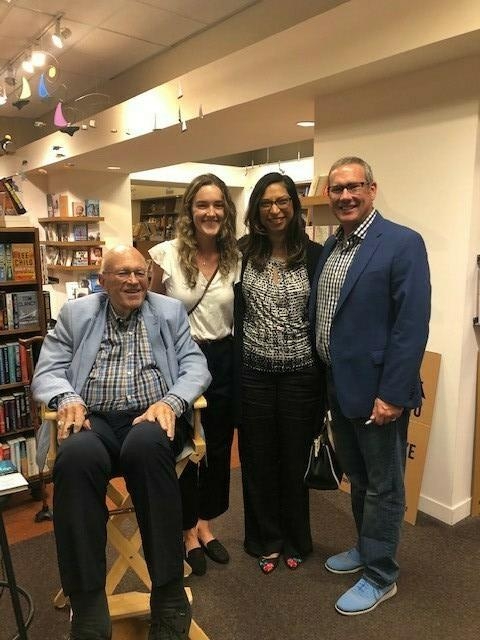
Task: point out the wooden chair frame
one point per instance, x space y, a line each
137 603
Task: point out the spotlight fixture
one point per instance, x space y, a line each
10 76
60 35
6 143
38 56
27 64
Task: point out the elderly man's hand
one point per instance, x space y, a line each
163 414
71 419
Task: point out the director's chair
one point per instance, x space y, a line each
123 533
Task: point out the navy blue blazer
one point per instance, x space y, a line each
380 327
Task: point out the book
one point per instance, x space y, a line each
7 466
80 257
94 231
12 482
11 190
9 305
63 205
25 309
23 261
3 266
3 311
51 232
78 208
71 288
32 467
47 306
63 232
92 207
93 283
2 425
95 256
50 205
8 262
80 231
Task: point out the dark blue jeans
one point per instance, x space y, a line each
373 458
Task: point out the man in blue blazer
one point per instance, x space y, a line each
121 369
370 309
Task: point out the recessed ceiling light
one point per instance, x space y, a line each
113 168
306 123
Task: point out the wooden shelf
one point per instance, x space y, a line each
61 267
73 244
313 201
17 283
319 212
72 219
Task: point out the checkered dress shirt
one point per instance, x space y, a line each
331 282
125 374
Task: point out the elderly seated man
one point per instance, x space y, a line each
122 371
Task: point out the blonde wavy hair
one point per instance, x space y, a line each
185 230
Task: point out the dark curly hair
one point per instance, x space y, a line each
256 244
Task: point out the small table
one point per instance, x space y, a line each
12 585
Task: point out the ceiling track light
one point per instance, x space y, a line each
60 34
31 58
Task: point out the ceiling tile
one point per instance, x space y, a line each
152 24
92 12
205 12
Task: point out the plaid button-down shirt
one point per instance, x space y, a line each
331 282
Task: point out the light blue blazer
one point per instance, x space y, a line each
69 351
380 326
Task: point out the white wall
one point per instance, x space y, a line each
420 134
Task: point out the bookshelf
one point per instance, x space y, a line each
73 243
158 217
22 315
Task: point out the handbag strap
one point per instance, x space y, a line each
204 292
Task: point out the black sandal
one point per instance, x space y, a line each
268 565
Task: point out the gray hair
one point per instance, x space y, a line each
354 160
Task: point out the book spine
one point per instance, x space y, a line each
22 350
3 311
8 262
11 363
6 451
32 466
5 366
48 306
28 411
2 417
9 305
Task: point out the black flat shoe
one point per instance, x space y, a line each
196 559
216 551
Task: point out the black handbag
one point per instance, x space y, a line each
323 470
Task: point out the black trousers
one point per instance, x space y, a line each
85 463
205 488
278 423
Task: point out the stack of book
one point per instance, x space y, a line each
19 310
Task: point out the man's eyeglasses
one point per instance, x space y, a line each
354 188
282 203
124 274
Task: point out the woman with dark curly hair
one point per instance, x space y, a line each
279 381
199 267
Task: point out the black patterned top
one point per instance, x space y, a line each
275 327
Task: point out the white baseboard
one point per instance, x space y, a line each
445 513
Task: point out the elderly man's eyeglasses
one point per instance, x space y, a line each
282 203
124 274
354 188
